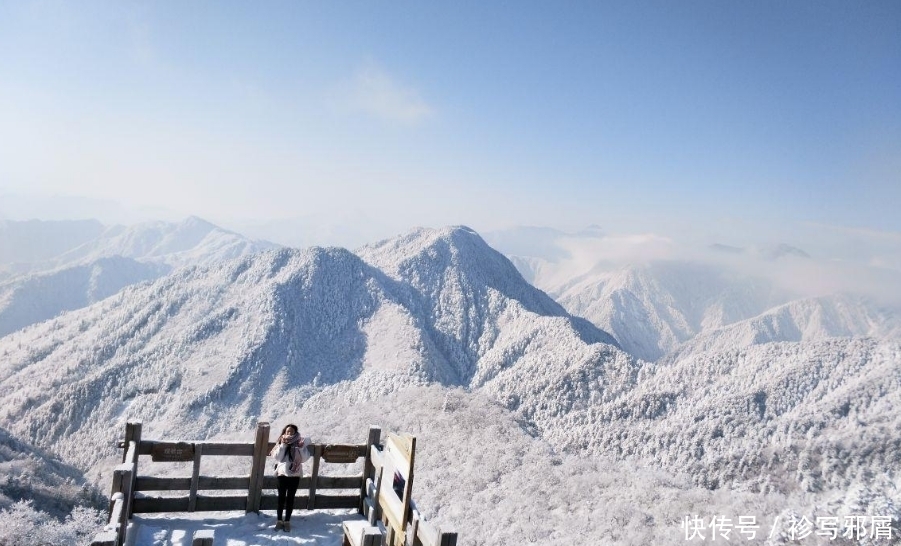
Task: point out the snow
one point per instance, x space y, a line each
809 319
30 299
91 266
193 241
656 304
532 425
317 528
30 473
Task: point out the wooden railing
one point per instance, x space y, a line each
389 505
133 494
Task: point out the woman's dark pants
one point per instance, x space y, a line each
287 488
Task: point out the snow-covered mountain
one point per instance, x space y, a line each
766 252
481 472
24 243
433 314
36 475
193 241
473 294
655 296
206 348
107 262
819 416
664 306
809 319
653 308
30 299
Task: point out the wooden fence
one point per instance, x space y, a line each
392 518
133 494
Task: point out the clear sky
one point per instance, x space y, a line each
714 115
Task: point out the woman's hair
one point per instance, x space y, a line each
285 430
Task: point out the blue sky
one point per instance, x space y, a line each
711 116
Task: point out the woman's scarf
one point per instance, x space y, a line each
293 445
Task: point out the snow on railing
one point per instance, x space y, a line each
131 493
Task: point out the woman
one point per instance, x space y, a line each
289 452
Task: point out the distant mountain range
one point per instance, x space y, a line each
24 243
808 319
657 305
41 246
29 299
99 262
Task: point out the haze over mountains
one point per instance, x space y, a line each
51 267
654 299
37 246
36 241
712 381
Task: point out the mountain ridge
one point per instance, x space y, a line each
210 345
116 257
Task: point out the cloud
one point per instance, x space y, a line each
620 248
580 254
378 94
862 246
561 259
867 233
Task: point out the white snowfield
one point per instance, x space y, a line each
320 528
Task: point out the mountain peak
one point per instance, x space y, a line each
783 250
450 244
458 276
196 222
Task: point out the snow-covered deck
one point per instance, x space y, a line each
319 528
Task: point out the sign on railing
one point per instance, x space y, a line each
332 453
164 452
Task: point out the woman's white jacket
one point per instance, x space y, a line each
283 463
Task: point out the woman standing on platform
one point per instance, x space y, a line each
290 450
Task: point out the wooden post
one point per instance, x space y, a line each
195 477
122 476
116 488
123 519
133 467
413 530
372 536
375 433
258 467
314 476
379 484
132 434
406 445
128 494
115 520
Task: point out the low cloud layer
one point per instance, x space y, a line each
850 261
